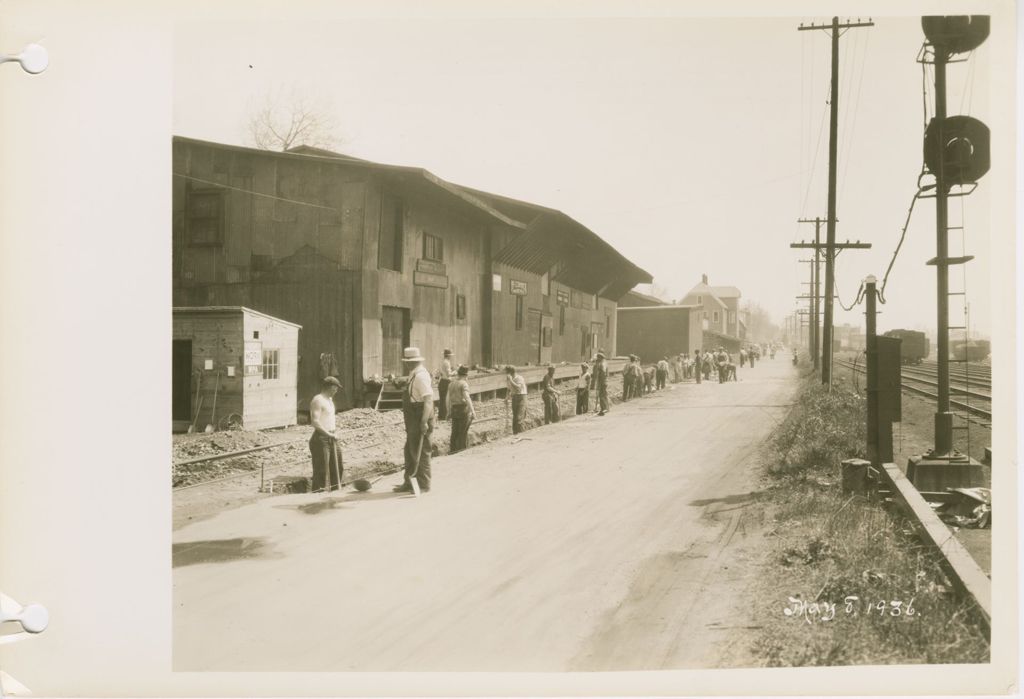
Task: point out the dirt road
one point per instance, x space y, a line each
601 543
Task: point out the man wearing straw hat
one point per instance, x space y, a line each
323 445
418 411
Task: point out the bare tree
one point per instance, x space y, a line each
760 327
285 119
659 292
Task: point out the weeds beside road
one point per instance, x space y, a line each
844 581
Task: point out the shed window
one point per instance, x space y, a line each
561 320
271 364
204 211
519 312
545 285
715 317
433 248
607 326
392 238
700 300
460 307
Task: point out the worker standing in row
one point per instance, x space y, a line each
583 390
662 373
599 381
418 412
323 445
549 394
444 379
516 391
460 404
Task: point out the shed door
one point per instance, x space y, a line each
546 332
181 380
595 335
394 323
533 323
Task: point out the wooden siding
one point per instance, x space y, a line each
324 304
513 346
434 325
271 402
660 332
216 337
297 261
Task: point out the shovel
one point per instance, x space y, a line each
199 404
213 415
416 469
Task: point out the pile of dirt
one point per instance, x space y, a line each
194 446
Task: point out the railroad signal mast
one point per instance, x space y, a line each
834 29
956 153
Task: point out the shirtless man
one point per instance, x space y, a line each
327 464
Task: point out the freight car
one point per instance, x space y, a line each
973 351
914 345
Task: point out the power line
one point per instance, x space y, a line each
255 193
903 234
856 111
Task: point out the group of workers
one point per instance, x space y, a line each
454 401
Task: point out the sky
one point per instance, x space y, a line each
692 145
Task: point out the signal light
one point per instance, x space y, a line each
956 33
963 153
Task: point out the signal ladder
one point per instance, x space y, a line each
964 423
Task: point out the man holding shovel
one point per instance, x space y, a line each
418 411
327 464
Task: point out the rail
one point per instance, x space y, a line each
965 407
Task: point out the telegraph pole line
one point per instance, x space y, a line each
816 284
812 341
829 296
826 351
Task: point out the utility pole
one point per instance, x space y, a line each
812 307
816 284
829 296
826 352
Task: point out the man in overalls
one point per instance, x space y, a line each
418 411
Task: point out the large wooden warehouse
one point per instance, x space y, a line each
369 258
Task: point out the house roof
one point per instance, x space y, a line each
550 238
704 290
725 292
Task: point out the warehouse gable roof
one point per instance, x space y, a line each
550 238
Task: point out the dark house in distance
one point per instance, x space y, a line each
370 258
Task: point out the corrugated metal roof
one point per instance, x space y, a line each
585 261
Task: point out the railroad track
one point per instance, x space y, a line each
969 382
908 386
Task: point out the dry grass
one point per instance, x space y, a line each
827 549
